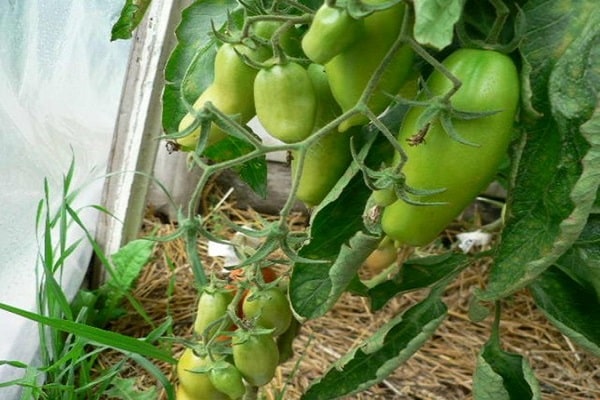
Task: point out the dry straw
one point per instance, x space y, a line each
442 369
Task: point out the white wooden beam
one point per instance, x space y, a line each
138 127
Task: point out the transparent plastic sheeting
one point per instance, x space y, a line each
60 84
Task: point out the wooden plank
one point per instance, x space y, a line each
138 126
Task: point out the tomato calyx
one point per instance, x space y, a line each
390 182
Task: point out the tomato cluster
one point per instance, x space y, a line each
314 82
297 78
237 325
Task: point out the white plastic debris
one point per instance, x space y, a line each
468 240
225 250
228 250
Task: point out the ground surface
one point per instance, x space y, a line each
442 369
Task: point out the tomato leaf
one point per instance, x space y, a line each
339 237
314 288
128 262
253 172
434 21
416 274
500 375
582 261
570 306
132 14
382 353
190 69
556 181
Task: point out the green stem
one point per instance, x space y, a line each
495 336
456 83
502 13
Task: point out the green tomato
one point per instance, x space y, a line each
231 92
256 357
196 385
350 71
289 40
286 102
331 31
269 308
212 306
226 378
384 197
382 257
490 82
328 158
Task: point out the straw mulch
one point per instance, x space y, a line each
442 369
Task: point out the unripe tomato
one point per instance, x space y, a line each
490 82
231 92
382 257
226 378
256 357
327 159
212 306
331 31
194 384
350 71
286 102
269 308
181 394
289 40
384 197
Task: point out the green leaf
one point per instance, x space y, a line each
337 236
571 307
132 14
382 353
556 180
434 21
110 339
500 375
128 262
190 68
126 389
582 261
253 172
416 274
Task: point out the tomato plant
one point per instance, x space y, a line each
396 116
